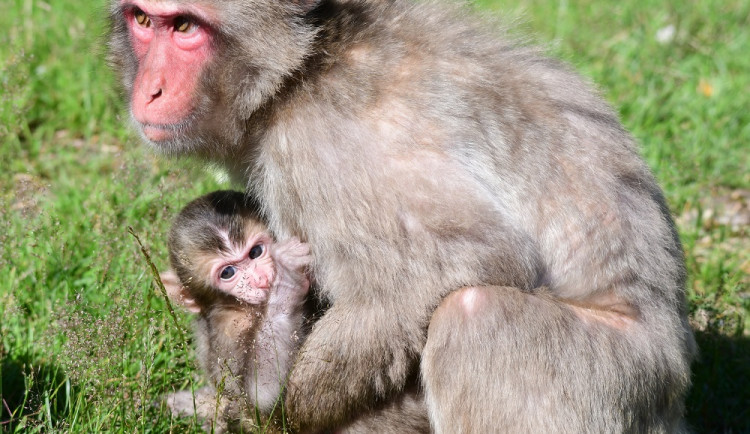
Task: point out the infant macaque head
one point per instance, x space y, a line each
219 250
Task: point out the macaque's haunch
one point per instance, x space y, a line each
478 216
248 292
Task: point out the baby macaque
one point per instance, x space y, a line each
248 292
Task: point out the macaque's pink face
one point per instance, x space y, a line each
172 43
247 271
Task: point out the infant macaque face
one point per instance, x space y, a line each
245 271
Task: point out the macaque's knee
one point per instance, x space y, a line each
481 315
465 303
470 300
467 312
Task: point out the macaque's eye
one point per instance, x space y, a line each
141 18
228 272
256 251
184 25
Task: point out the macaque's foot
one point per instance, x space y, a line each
201 403
181 404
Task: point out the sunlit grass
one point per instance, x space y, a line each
87 343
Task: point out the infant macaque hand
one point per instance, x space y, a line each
292 258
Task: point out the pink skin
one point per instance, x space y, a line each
280 266
252 277
170 61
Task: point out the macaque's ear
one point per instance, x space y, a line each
178 293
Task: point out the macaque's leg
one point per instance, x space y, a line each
501 360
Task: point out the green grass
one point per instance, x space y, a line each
87 343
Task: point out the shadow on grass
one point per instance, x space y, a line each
719 401
30 388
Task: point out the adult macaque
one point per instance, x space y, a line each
443 176
248 292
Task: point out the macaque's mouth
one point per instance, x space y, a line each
160 132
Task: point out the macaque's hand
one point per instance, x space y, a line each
292 259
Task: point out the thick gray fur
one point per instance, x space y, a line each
418 151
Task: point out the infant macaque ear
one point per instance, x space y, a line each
177 292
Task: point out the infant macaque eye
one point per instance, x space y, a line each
256 251
228 272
